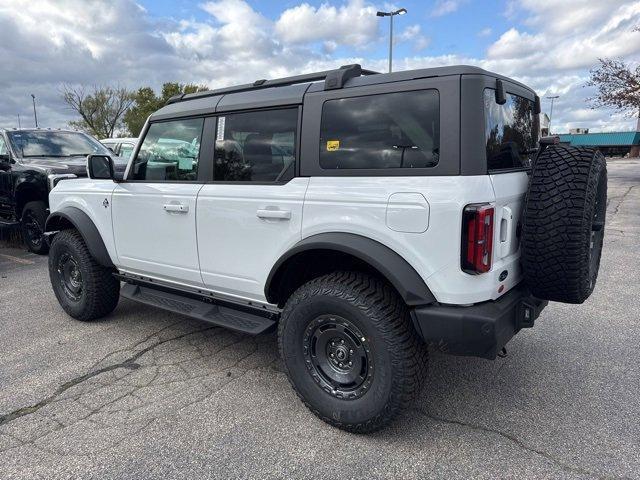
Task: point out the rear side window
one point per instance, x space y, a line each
256 146
170 151
392 130
511 131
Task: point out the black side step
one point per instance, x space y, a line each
9 223
216 314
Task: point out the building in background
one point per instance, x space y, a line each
609 143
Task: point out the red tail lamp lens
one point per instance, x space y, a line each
477 238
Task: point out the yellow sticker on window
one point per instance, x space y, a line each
333 145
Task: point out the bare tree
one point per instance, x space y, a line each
101 109
617 86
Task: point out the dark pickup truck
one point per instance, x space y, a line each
32 162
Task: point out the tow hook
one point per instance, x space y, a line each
503 353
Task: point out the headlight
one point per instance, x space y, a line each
54 178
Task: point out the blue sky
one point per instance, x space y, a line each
549 45
475 25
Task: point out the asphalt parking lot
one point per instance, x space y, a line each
150 394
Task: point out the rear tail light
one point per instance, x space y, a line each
477 238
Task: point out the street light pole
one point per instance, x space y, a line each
551 112
35 115
400 11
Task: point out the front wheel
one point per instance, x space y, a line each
85 289
350 351
34 216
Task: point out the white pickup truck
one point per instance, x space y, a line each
365 216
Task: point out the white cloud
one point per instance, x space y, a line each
413 34
95 42
485 32
354 24
444 7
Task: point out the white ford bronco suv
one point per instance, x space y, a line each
364 216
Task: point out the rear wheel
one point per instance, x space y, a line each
85 289
563 224
34 216
350 351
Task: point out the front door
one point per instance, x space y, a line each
251 213
154 211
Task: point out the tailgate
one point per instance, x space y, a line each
510 190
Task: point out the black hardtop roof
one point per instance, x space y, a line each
291 90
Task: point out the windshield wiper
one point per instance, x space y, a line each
44 155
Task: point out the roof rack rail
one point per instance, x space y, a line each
333 79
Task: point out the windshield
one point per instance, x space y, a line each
511 131
54 144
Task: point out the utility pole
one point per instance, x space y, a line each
551 112
35 115
19 124
400 11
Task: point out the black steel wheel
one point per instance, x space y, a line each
350 350
338 356
34 216
597 230
70 277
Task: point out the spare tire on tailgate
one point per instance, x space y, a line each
563 223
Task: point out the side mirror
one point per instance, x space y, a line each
100 167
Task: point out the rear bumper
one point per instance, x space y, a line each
480 330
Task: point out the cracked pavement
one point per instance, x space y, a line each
150 394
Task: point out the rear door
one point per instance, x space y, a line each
251 213
154 211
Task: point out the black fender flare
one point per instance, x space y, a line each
83 224
404 278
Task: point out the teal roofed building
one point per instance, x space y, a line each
610 143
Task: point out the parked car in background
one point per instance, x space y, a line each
32 162
123 147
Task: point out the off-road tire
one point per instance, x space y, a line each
398 355
34 216
100 289
563 224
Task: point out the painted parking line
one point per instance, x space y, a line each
22 261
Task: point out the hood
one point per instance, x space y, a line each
75 165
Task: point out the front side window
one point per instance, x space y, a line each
256 146
170 151
3 147
45 143
392 130
511 131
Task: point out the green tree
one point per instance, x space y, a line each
101 109
146 102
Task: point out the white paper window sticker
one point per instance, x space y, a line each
220 132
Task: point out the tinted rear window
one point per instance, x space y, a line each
393 130
511 131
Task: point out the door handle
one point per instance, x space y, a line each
278 214
506 223
176 207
